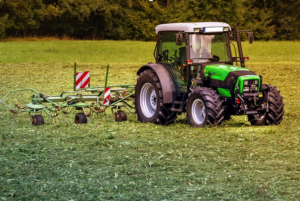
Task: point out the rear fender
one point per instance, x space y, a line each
167 84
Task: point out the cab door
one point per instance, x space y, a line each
174 57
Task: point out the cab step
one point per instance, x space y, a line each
178 104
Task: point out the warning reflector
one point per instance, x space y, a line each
106 96
82 79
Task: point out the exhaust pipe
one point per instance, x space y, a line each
239 44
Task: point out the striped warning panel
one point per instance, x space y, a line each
82 79
106 96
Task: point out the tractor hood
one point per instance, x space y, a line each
226 78
220 72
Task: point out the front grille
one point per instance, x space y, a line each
250 82
250 86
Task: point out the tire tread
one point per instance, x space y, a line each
165 116
214 108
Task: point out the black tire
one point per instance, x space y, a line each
37 120
275 114
149 100
227 117
120 115
80 118
203 107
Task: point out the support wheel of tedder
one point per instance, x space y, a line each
203 107
120 115
36 120
80 118
275 114
149 100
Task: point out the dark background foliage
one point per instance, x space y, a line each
136 19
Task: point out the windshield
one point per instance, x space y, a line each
204 47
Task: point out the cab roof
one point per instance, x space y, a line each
189 26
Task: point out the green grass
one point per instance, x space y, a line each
104 160
100 52
124 52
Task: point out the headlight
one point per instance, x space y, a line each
250 86
246 89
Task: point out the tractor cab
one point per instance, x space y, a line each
195 45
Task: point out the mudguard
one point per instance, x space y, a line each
167 84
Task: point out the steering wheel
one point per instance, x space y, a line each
174 59
165 55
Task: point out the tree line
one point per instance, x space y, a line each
136 19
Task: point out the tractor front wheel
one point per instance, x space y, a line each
149 100
203 107
275 114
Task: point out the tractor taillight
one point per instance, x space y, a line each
246 58
190 61
238 101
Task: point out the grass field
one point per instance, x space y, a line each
104 160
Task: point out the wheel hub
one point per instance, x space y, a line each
148 100
153 99
198 111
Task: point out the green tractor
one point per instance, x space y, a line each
195 73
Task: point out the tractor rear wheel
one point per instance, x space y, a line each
203 107
149 100
275 114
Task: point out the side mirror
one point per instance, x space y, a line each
250 37
179 37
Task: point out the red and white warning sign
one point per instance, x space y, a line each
106 96
82 79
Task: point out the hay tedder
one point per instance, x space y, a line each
87 100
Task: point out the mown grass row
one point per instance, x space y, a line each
104 160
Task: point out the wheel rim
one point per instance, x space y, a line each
198 111
148 100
